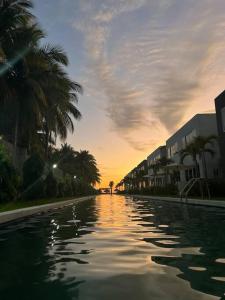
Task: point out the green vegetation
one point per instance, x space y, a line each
23 204
38 104
198 148
168 190
9 179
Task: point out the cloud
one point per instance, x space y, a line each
149 59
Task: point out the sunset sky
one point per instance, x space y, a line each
146 66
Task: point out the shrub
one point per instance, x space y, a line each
33 183
169 190
9 179
51 186
32 170
217 188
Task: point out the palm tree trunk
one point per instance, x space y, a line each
198 175
46 141
204 165
196 168
166 178
16 135
154 179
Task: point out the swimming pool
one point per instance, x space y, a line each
115 247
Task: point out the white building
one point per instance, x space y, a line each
200 125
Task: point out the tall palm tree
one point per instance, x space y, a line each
86 167
32 81
14 14
205 145
61 95
198 148
19 85
191 150
65 159
111 184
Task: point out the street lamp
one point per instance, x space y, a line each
75 177
54 166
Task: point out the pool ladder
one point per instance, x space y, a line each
190 185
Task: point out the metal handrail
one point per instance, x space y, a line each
190 184
185 187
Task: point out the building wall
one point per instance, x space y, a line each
141 171
159 179
220 117
199 125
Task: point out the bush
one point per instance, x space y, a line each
33 169
51 186
169 190
33 183
9 179
217 188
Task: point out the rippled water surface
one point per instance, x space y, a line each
115 247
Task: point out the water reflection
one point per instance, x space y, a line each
35 254
115 247
193 228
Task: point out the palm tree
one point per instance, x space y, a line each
111 184
14 13
202 143
198 148
191 150
61 95
32 81
86 167
19 83
64 158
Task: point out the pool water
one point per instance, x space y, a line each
115 247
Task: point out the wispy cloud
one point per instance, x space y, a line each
149 70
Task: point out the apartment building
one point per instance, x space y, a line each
180 172
156 175
141 171
220 118
199 125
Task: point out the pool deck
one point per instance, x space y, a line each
29 211
200 202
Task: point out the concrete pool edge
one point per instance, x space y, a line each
200 202
20 213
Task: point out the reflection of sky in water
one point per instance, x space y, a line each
115 248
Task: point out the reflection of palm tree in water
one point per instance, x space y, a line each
35 269
192 227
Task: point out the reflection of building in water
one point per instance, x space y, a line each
185 229
203 273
